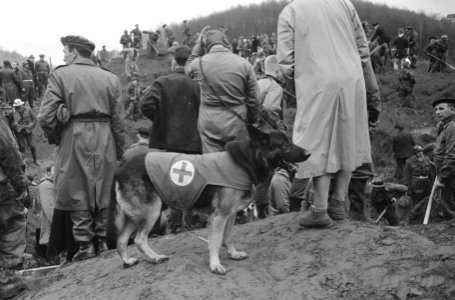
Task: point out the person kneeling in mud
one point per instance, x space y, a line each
384 197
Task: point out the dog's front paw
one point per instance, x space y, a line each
238 255
159 259
218 269
130 262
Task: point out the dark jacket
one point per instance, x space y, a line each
172 104
444 151
413 38
414 168
401 44
402 145
381 36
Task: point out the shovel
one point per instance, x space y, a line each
430 200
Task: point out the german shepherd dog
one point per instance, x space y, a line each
139 205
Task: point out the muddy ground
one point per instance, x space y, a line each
351 261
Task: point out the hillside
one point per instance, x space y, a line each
11 56
256 19
349 261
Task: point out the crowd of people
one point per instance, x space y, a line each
404 46
216 88
20 87
26 82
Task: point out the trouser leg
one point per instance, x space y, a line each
400 168
101 222
448 200
12 229
175 219
298 194
21 141
357 197
261 198
82 225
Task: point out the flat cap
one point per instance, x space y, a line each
77 40
41 55
443 100
410 27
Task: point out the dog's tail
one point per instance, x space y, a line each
116 218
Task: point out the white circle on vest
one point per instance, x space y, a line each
182 172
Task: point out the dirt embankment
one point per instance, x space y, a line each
419 120
351 261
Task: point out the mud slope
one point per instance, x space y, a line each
351 261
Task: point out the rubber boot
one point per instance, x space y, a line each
336 209
102 246
33 150
295 204
86 251
318 219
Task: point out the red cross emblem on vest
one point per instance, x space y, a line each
182 172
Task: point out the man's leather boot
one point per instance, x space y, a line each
316 218
86 251
102 246
336 209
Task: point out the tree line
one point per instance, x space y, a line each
256 19
11 56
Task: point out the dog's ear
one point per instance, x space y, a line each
258 136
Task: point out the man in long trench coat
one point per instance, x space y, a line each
323 49
80 113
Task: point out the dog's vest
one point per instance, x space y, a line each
180 178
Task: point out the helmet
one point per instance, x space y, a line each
444 37
417 148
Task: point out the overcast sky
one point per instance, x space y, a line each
35 26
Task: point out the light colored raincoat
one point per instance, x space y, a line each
322 47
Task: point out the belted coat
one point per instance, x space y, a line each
91 141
